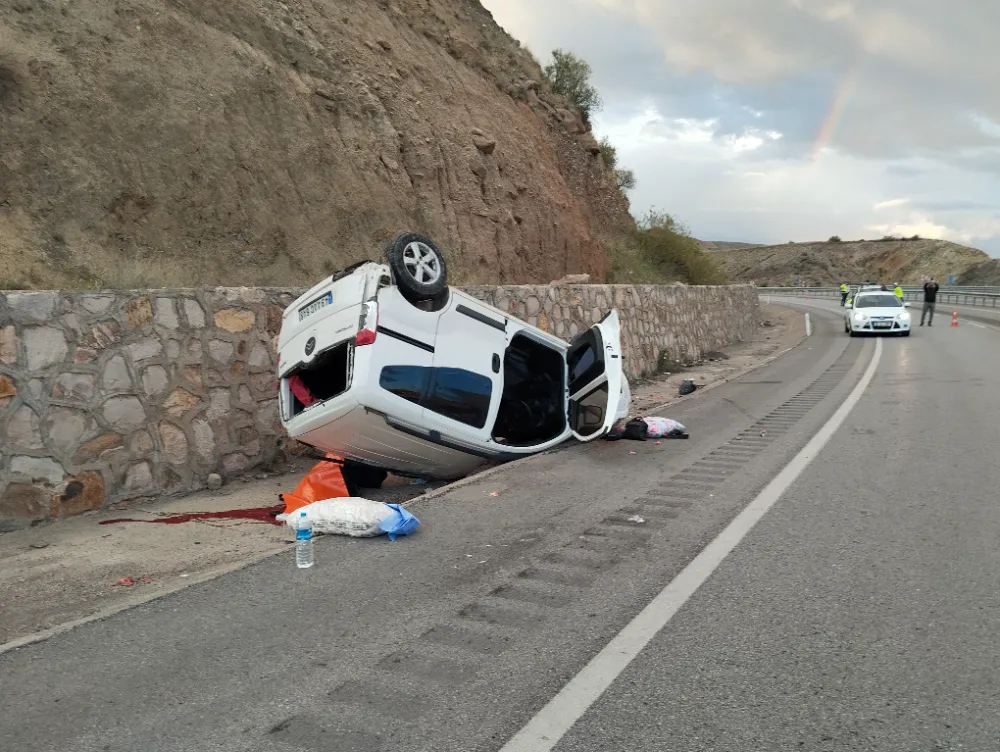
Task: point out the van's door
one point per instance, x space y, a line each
463 396
594 378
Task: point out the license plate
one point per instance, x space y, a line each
882 324
317 305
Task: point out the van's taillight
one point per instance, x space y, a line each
367 325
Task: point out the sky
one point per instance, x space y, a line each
770 121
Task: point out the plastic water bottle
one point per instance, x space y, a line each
303 543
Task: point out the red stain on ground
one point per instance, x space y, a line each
260 514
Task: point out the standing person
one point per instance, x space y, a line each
930 300
843 293
899 291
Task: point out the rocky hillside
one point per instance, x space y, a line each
987 273
723 245
180 142
822 264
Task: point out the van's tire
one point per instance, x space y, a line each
418 266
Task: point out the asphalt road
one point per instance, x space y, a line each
860 613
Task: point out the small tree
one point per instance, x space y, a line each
570 76
609 154
834 239
625 179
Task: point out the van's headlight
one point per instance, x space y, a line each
860 316
904 316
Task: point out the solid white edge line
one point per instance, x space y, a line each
543 732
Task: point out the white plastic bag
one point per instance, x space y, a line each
660 427
352 515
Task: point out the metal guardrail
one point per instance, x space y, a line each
976 297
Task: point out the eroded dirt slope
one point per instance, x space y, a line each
178 142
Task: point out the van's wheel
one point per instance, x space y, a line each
418 266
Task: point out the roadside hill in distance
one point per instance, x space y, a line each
825 264
987 273
723 245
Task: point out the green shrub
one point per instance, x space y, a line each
660 250
570 76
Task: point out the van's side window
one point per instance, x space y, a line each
461 395
408 382
585 362
581 362
453 392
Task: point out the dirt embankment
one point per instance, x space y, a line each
177 142
828 264
987 273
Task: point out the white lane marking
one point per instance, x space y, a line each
543 732
978 325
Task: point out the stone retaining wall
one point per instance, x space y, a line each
110 396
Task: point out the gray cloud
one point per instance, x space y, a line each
891 86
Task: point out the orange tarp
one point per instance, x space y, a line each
324 481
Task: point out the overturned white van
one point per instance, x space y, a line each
386 366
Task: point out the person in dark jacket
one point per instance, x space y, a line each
930 300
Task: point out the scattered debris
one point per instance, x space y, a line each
130 581
494 493
637 519
687 387
214 481
38 545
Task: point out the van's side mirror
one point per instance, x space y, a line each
906 305
848 305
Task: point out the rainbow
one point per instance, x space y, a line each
836 111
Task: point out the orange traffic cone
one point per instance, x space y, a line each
954 317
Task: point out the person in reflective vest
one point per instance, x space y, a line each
843 293
898 291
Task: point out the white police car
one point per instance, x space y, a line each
877 312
